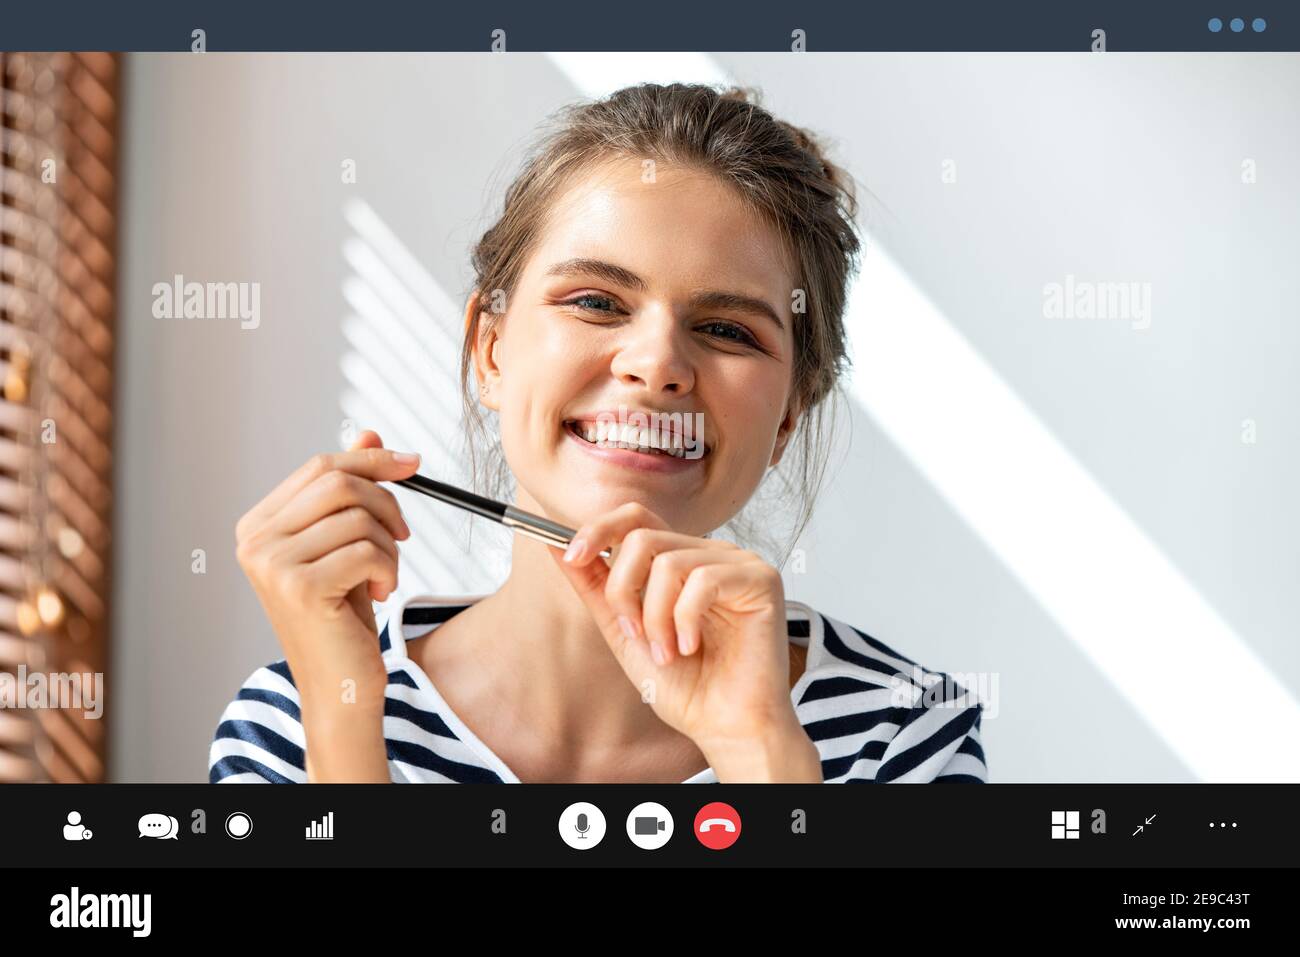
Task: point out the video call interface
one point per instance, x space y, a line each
645 416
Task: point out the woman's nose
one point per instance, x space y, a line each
654 357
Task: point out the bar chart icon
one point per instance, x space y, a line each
322 830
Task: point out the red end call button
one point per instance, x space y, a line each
717 825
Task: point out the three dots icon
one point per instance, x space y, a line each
1237 24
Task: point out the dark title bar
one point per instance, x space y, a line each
671 25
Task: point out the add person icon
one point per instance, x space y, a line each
73 830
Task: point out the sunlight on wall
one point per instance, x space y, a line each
402 368
1085 561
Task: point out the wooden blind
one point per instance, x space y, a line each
58 136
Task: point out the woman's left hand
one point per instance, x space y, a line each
700 627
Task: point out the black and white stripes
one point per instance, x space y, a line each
874 715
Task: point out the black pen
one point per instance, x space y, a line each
525 523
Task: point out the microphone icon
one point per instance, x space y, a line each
582 826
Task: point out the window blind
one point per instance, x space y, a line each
58 135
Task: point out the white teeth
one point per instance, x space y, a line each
627 436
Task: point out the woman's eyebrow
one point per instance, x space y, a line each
709 299
601 269
733 300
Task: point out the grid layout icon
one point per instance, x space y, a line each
1065 825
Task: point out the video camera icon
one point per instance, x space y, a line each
650 826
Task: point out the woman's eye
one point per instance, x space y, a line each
581 303
732 332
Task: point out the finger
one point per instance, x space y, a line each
335 574
608 530
377 464
368 439
335 491
668 574
588 582
334 531
630 568
260 514
709 586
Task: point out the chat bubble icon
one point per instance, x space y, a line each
160 826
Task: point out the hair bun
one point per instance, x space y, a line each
805 140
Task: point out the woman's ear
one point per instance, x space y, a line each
487 370
785 431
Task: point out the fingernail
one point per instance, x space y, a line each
626 624
660 656
576 550
406 458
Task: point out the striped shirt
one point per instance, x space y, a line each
873 715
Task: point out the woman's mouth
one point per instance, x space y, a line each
646 449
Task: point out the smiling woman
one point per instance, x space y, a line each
668 254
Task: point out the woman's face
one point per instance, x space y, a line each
654 308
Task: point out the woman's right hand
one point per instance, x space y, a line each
317 550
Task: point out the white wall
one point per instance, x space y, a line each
1106 167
